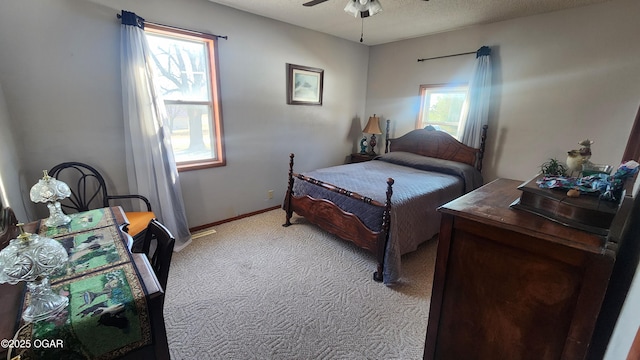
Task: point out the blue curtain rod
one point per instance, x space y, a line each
483 51
446 56
182 29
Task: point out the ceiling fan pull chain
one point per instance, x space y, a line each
361 28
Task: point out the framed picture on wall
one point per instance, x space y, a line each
304 85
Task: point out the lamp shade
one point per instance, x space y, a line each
373 126
49 190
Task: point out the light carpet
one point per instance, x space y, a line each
258 290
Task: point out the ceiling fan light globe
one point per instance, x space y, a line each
363 8
352 9
374 7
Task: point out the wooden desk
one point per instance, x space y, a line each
509 284
11 300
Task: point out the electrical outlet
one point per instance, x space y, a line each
270 194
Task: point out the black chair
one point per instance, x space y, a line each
8 228
90 192
158 245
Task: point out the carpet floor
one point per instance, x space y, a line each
257 290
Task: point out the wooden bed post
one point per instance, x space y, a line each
386 137
287 199
483 139
386 226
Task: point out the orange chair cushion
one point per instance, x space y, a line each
138 221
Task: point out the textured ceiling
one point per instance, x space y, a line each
400 19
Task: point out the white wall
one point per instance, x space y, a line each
560 77
61 69
14 193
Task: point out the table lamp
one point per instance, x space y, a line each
50 190
373 128
32 258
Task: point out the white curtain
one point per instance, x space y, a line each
477 114
151 167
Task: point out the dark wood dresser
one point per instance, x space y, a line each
510 284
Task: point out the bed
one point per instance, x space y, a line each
388 205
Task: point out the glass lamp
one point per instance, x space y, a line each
373 128
50 190
33 259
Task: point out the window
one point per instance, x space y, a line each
185 71
441 106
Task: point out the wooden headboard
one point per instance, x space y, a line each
440 145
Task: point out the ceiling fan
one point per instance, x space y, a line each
356 8
316 2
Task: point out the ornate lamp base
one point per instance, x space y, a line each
372 144
56 216
45 303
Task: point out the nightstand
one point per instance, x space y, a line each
357 157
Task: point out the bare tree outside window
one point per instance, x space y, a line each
185 72
441 106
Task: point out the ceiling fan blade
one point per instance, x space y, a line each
313 2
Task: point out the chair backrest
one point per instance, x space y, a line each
8 228
88 188
158 245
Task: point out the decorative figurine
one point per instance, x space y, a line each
363 145
585 148
576 159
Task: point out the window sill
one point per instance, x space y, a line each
197 165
